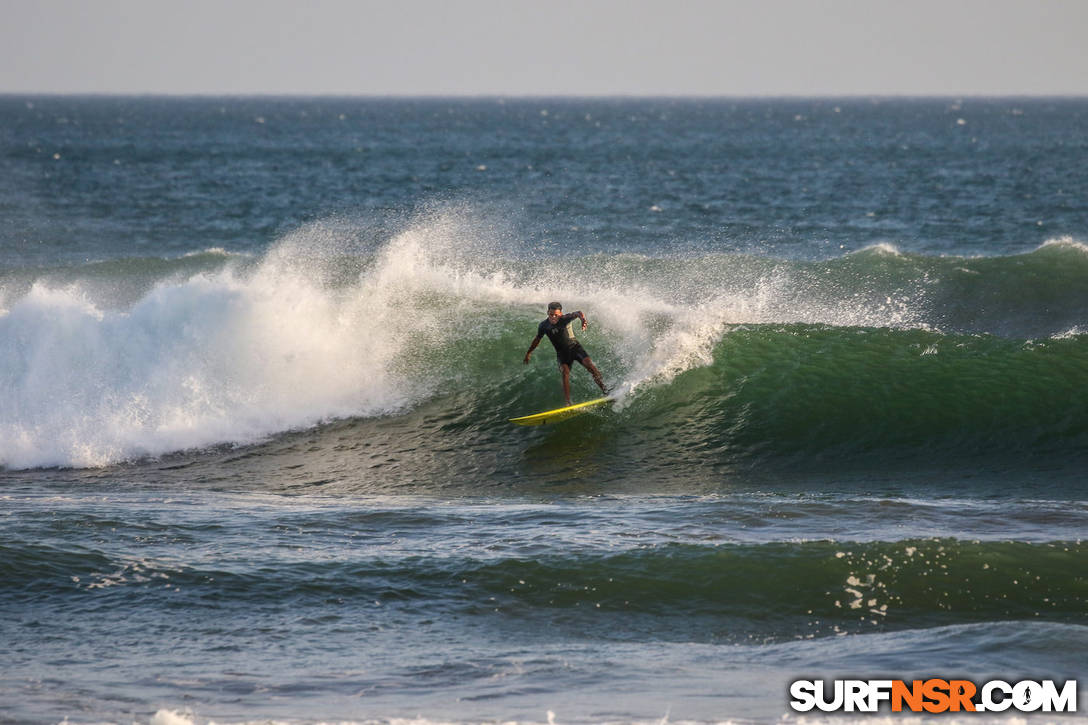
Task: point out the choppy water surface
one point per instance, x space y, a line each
257 358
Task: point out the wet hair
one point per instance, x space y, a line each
554 306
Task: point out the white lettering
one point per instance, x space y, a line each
989 704
994 696
854 696
1064 701
831 705
879 691
1027 696
803 693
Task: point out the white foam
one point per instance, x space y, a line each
222 357
288 341
880 248
213 251
1072 332
1065 242
237 355
186 717
173 717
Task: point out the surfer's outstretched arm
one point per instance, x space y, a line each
536 341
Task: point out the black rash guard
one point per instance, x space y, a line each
567 348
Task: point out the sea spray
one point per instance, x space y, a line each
230 349
855 443
230 356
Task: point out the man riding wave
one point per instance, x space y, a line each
567 348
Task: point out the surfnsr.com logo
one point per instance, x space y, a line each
933 695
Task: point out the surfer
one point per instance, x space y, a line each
567 349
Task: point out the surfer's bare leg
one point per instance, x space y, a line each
595 373
564 371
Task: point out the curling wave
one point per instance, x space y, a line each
745 356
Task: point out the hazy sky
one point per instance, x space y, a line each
546 47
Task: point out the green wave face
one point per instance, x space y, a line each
718 360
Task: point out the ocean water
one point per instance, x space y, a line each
258 357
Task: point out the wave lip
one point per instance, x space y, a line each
220 357
138 358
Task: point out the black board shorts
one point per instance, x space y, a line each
570 354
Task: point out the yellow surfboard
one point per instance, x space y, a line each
554 416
